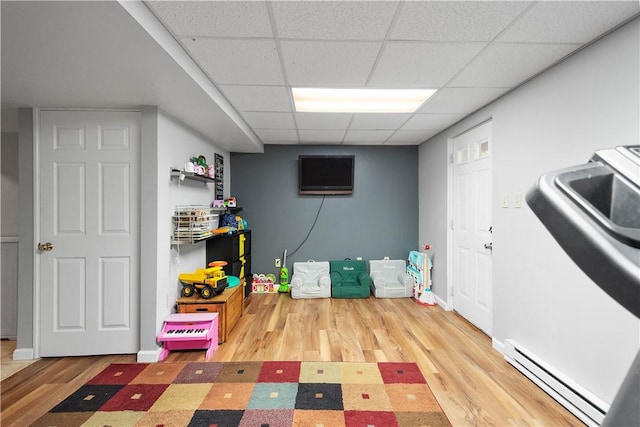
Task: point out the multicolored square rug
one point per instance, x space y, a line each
261 394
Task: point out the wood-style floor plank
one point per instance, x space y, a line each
472 382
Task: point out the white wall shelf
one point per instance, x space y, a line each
178 174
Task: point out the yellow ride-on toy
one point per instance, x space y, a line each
208 282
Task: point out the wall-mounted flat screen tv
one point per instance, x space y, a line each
325 174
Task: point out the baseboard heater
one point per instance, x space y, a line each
580 402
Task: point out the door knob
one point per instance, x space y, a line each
45 247
488 246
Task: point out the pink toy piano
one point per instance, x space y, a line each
187 331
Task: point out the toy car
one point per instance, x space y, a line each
208 282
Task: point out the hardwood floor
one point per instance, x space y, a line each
472 382
8 366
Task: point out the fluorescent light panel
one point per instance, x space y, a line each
321 100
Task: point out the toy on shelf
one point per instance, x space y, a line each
192 223
199 166
230 202
419 268
241 222
263 283
208 282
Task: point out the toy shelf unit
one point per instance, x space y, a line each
181 175
193 223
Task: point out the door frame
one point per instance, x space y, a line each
36 337
450 303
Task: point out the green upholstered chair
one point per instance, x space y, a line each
349 279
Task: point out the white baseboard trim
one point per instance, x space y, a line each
497 346
23 354
148 356
585 405
442 303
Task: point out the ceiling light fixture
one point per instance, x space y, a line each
321 100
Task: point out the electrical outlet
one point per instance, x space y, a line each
517 200
278 262
169 300
386 258
505 201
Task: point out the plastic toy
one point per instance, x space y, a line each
419 268
284 275
208 282
199 166
263 283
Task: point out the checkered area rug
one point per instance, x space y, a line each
261 394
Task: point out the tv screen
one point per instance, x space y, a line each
324 174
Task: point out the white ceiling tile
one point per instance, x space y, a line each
411 136
336 121
461 99
403 142
421 64
333 20
508 64
367 136
569 21
378 121
328 64
277 136
237 61
431 121
214 18
321 136
258 98
455 20
269 120
282 142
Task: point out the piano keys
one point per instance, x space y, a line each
186 331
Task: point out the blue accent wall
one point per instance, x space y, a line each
380 218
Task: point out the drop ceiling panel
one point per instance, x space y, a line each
421 65
455 20
461 99
569 22
336 121
268 120
214 18
436 122
321 136
328 64
509 64
367 136
254 51
389 142
410 137
333 20
70 55
237 61
378 121
258 98
278 136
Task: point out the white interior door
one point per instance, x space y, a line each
89 212
472 267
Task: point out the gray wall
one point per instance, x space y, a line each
25 344
380 218
9 226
